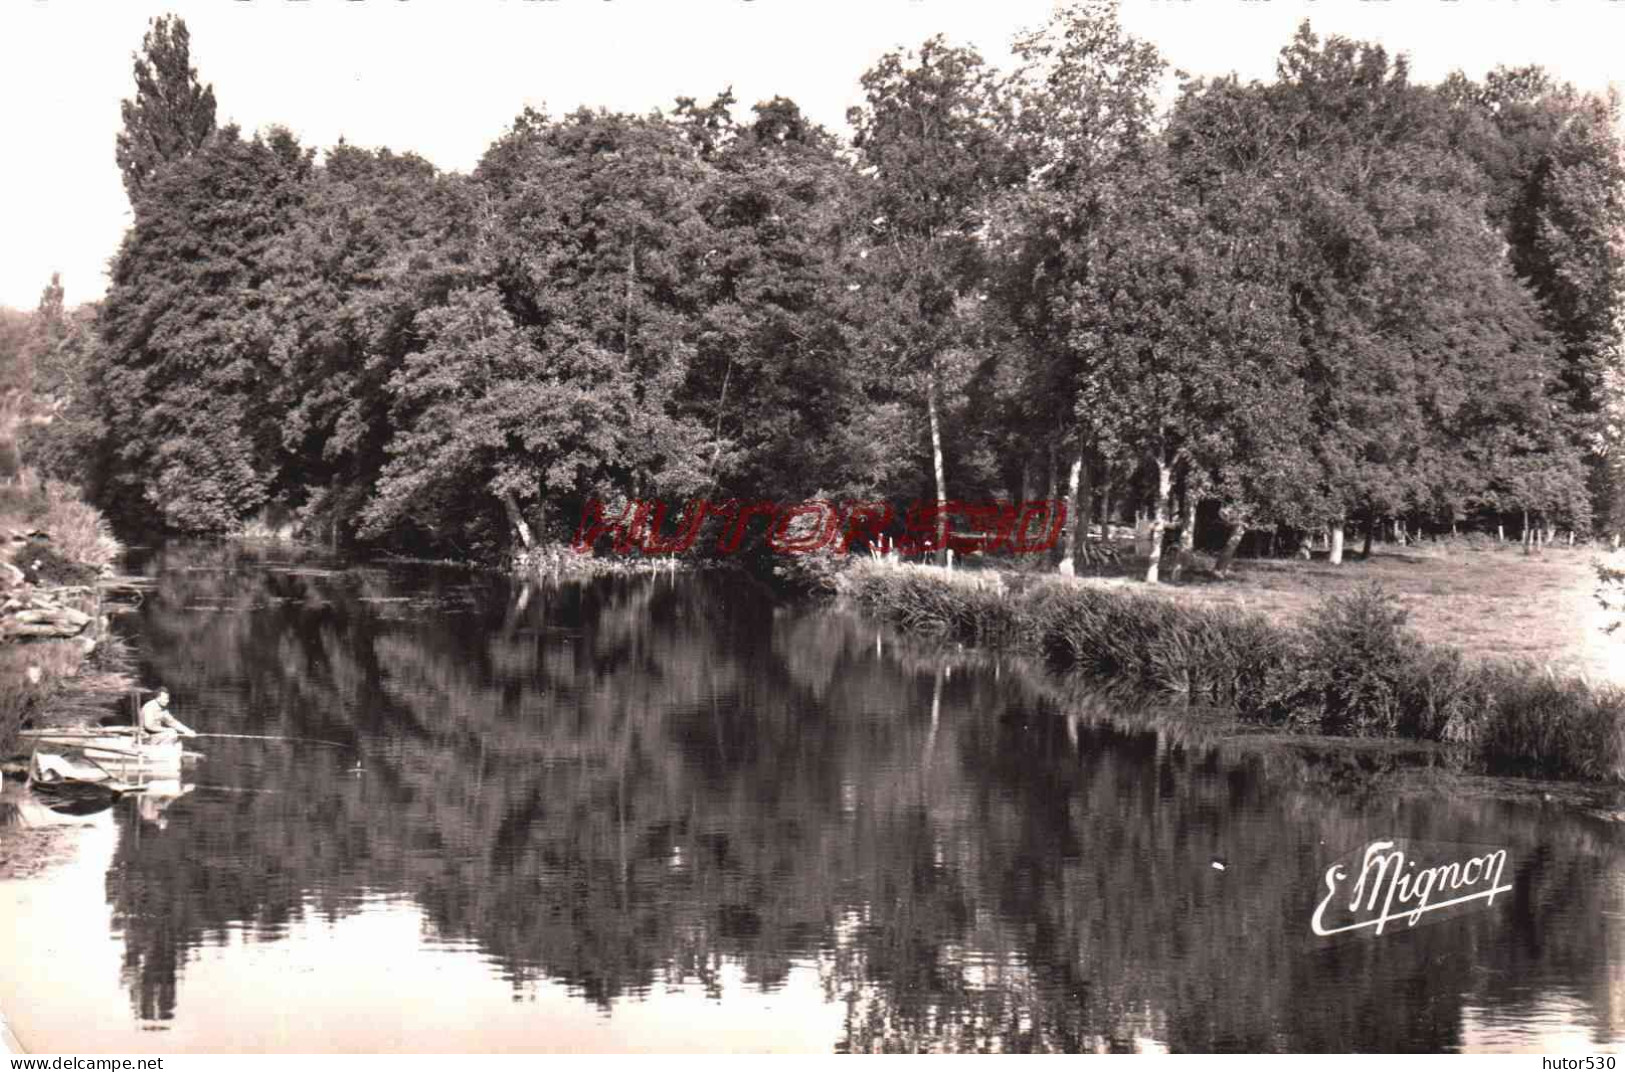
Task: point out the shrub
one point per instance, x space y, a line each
1357 658
42 564
815 571
78 530
79 534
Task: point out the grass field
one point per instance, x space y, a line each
1496 603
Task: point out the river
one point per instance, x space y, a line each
666 814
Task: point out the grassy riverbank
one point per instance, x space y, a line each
1487 598
1348 664
55 551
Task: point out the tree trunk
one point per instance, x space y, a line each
1526 532
1370 527
1086 507
517 519
1187 523
631 281
1070 538
1500 531
1232 543
1159 519
1052 490
936 461
1106 505
1336 528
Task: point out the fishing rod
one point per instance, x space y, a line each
261 737
354 749
292 740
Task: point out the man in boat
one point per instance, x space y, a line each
157 722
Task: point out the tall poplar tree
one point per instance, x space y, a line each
172 113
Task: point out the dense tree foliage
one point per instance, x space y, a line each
1338 297
1426 364
195 330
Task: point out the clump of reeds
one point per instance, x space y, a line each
1532 722
1213 654
1356 669
973 608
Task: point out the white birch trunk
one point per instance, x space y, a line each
517 519
1070 539
936 461
1159 520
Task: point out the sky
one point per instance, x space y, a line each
444 78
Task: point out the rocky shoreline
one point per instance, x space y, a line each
36 614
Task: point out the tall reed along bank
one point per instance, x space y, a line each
1354 669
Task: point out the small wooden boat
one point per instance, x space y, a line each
70 796
121 751
75 786
83 767
72 787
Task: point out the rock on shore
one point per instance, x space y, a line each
35 615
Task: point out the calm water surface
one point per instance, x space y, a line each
664 815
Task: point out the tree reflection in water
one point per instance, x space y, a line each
625 785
